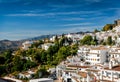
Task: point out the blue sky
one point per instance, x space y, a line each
20 19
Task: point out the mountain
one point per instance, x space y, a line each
7 44
14 45
39 37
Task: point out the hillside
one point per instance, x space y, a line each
39 37
14 45
7 44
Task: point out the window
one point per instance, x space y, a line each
102 72
98 55
69 80
97 59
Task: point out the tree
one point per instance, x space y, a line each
8 54
37 44
43 57
74 49
63 53
17 64
94 41
108 27
56 39
2 60
42 72
2 70
96 30
86 40
109 40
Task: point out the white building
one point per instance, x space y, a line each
117 28
47 45
41 80
12 79
83 50
27 44
52 38
27 74
114 53
75 37
111 73
97 55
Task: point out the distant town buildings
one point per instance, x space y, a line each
91 64
46 45
26 44
100 64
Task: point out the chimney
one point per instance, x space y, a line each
88 77
110 65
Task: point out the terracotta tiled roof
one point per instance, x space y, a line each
100 48
83 74
91 70
75 79
76 66
116 68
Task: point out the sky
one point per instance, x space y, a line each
21 19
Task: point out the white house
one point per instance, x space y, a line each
27 74
75 37
114 53
46 45
26 44
111 74
52 38
117 28
97 55
11 80
41 80
24 75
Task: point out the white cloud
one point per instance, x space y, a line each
79 28
8 1
32 14
72 19
54 13
93 0
22 34
77 24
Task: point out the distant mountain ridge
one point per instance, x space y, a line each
40 37
7 44
14 45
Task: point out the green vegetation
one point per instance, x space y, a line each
109 41
12 63
34 57
89 40
108 27
36 44
86 40
96 30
